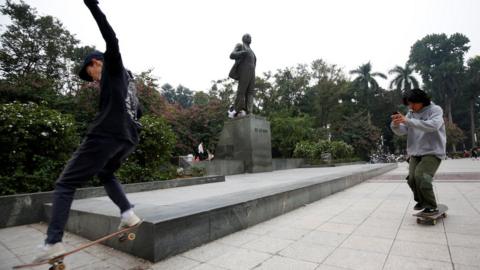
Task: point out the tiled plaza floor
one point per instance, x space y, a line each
369 226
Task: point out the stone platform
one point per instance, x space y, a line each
179 219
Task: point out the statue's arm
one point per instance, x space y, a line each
238 52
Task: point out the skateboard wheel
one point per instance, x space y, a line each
434 222
444 215
131 236
418 221
61 266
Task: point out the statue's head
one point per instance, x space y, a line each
247 39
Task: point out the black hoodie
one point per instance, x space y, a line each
117 116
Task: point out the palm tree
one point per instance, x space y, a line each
404 79
366 80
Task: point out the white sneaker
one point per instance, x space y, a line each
128 219
49 251
242 113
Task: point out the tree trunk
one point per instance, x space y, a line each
472 121
448 111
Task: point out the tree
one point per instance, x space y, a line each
288 131
454 134
184 96
358 131
365 80
439 59
473 91
36 50
322 99
291 84
201 99
404 79
224 91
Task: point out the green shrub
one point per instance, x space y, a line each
151 159
314 150
341 150
305 150
36 142
288 131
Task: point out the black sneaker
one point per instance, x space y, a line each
418 206
429 211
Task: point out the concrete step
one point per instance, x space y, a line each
179 219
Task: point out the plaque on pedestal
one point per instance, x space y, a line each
247 138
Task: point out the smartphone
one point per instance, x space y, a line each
394 113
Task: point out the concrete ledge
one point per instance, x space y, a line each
28 208
175 228
222 166
333 164
287 163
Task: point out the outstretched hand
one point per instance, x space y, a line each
398 119
90 2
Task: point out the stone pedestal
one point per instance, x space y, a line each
249 139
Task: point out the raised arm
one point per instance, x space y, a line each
113 50
433 124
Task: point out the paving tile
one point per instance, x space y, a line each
462 228
209 251
465 267
127 261
349 219
268 244
5 254
371 231
407 263
466 256
288 233
372 244
98 266
307 251
238 239
329 267
8 263
241 259
282 263
421 251
260 229
325 238
464 240
204 266
410 223
176 263
337 227
356 259
422 237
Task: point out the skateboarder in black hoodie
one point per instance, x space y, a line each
111 137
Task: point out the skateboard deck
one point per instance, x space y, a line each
432 219
56 263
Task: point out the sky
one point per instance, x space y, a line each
188 42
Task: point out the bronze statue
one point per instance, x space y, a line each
244 72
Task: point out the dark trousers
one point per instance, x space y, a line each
97 155
245 92
420 177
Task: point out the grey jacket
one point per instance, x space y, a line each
425 132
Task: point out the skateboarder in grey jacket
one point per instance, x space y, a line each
110 139
426 145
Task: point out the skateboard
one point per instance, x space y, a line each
56 263
432 219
